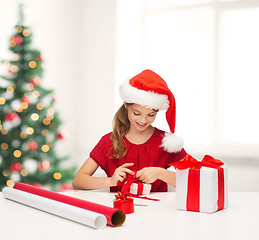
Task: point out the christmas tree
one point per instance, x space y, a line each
29 123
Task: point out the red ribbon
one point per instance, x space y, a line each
193 198
140 188
126 187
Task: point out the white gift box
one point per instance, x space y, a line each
135 188
208 190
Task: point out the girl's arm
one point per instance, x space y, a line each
151 174
85 181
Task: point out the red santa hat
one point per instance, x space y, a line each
149 90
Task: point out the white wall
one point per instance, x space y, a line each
77 41
98 73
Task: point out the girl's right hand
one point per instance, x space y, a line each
120 173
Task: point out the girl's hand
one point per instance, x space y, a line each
120 173
149 174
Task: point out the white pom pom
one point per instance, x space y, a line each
172 143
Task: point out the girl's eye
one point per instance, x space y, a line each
151 115
136 114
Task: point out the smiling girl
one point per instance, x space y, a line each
134 144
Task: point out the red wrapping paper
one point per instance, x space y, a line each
115 217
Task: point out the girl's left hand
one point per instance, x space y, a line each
148 174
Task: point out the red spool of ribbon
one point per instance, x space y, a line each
124 203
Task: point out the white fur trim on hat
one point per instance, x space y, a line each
149 99
172 143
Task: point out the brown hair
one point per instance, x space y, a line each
121 126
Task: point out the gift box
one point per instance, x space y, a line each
139 188
201 186
131 185
124 203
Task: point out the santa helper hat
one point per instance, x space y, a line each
149 90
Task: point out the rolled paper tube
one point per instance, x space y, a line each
115 217
79 215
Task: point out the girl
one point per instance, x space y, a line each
134 144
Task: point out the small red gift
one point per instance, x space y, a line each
124 203
131 185
139 188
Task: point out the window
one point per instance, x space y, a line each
208 53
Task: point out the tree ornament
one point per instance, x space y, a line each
15 176
15 167
30 165
35 81
44 165
11 117
61 135
18 40
40 58
26 100
55 99
32 146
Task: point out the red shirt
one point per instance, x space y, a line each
148 154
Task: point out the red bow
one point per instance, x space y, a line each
122 197
190 162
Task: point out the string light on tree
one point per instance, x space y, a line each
16 57
5 173
40 106
2 101
10 183
4 146
24 172
17 153
29 130
32 64
23 135
35 116
10 90
26 33
45 148
57 175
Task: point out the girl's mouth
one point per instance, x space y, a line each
141 125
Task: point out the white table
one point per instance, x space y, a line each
158 220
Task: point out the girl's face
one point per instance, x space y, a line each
140 117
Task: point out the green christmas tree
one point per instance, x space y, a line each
29 123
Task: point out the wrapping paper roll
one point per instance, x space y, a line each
70 212
115 217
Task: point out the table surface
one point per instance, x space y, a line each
156 220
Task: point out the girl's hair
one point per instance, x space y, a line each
121 126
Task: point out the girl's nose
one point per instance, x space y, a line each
143 119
